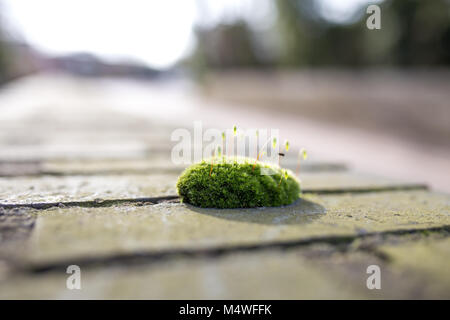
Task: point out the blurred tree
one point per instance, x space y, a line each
423 31
292 29
413 32
227 45
4 53
224 46
309 39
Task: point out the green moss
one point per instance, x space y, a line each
236 183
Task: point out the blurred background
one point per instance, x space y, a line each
378 100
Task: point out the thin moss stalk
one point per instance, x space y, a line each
212 165
302 154
261 152
223 141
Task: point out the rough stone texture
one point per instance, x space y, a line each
158 160
425 276
15 224
17 168
15 227
67 233
426 261
268 275
20 190
155 162
314 272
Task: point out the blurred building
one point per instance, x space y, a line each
86 64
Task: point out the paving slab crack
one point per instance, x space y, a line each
97 203
342 243
35 168
403 187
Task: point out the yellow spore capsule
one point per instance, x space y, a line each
286 145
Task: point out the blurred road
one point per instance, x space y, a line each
55 102
389 122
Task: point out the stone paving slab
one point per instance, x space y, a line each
268 275
52 189
425 261
70 233
413 265
145 160
158 159
314 272
15 226
64 134
39 152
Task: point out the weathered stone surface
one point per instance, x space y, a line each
426 261
66 233
15 226
16 168
342 181
27 190
20 190
320 271
156 160
35 152
268 275
150 160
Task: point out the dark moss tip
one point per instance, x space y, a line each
237 183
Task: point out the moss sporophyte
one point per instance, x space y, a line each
237 182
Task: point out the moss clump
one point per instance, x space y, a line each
236 183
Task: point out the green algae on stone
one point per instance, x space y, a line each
225 182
